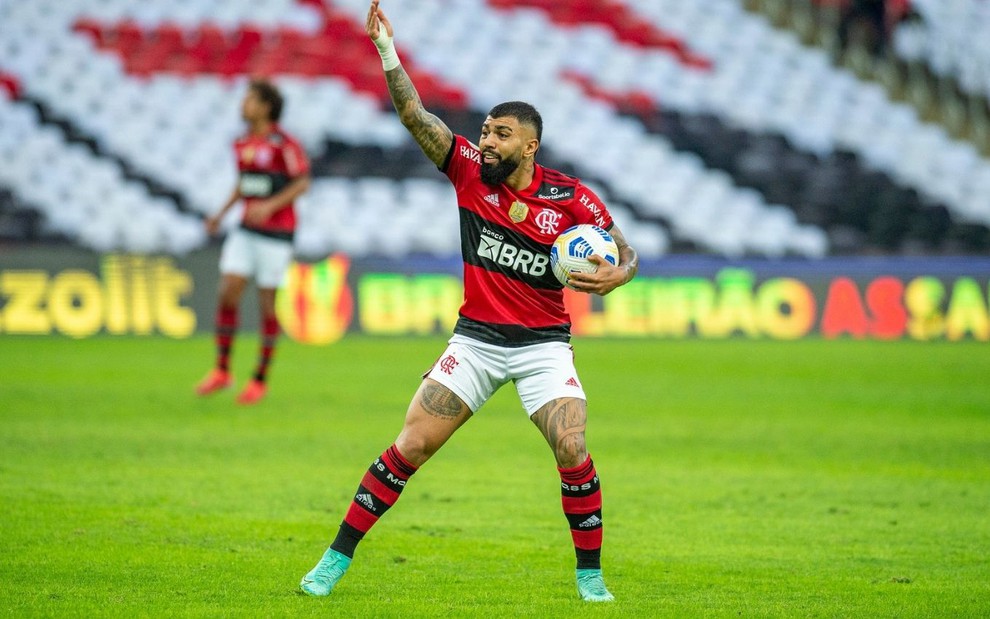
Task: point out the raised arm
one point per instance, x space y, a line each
432 135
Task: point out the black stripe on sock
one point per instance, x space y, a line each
347 540
589 559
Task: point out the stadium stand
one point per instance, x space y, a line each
951 38
705 128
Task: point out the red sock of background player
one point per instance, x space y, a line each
378 491
269 334
581 498
226 330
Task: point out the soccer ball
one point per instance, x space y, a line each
570 251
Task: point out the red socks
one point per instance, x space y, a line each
269 334
379 490
581 498
226 329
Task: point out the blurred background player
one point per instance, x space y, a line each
273 172
512 325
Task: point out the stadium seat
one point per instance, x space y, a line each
683 91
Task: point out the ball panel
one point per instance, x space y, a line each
570 251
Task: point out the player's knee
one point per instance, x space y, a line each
571 451
230 297
415 448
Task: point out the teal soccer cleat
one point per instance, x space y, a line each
321 580
591 586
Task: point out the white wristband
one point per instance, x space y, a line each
386 49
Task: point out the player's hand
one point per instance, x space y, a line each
377 19
607 278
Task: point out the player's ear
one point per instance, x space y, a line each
532 146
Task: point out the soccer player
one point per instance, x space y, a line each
274 171
512 325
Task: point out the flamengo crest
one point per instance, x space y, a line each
548 221
447 364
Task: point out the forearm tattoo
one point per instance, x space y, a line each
441 402
562 422
432 135
627 255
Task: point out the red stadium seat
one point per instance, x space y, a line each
169 34
10 84
92 28
209 41
623 22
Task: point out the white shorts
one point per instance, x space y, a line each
255 256
475 370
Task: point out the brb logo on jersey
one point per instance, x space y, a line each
494 247
548 221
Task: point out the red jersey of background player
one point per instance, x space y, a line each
266 165
511 296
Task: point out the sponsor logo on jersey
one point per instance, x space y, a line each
595 210
471 153
550 192
492 199
548 221
518 211
508 255
572 382
254 185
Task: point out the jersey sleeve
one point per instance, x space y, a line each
589 208
296 161
462 162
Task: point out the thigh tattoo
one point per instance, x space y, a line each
441 402
561 420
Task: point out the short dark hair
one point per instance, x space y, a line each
269 94
523 112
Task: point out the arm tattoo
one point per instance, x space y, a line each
627 255
432 135
562 421
441 402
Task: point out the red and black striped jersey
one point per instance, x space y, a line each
511 296
266 165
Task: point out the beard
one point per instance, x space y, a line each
497 174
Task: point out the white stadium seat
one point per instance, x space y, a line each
177 129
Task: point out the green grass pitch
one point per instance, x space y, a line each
740 479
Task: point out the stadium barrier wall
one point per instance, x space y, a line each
55 290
